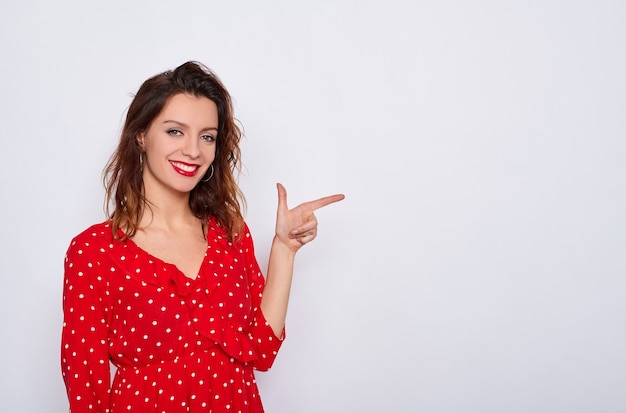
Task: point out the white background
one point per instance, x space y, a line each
478 262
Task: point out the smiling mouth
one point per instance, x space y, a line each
185 169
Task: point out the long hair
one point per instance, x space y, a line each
219 197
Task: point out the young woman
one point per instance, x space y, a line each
168 288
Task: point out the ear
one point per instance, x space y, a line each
141 136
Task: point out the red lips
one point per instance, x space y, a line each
185 169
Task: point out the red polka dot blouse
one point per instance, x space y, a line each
179 344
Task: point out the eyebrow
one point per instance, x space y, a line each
184 125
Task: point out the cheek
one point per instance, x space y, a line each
159 147
150 152
209 153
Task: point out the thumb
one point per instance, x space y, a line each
282 196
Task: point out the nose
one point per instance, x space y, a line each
191 147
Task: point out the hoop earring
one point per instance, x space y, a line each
210 176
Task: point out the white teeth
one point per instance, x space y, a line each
186 168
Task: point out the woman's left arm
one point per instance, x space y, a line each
294 228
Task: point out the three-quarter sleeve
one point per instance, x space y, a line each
84 346
261 333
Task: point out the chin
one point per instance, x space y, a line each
185 189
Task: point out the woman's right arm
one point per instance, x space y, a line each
84 343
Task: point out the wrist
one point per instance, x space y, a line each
282 248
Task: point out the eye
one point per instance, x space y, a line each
208 138
174 132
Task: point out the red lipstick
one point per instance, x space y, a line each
185 169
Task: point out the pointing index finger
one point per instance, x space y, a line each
322 202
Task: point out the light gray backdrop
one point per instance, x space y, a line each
478 262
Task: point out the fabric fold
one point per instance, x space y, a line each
236 342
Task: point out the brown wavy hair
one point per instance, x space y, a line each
219 197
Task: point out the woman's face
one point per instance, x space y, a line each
179 144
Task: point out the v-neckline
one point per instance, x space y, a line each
153 257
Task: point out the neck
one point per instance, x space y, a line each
166 210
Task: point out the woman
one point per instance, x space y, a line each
168 289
